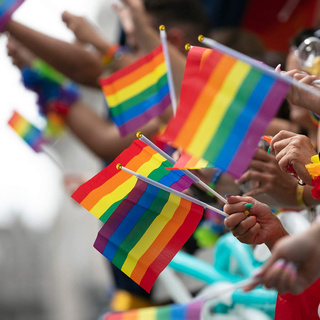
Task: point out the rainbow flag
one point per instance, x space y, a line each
102 194
146 231
138 93
187 161
224 110
29 133
7 8
190 311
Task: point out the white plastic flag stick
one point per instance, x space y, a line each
187 172
163 37
168 189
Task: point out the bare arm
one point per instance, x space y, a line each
72 60
102 136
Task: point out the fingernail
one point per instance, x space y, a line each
248 206
279 264
246 212
292 268
278 67
227 195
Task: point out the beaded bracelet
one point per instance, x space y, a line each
110 54
314 170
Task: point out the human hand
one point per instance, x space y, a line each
294 263
20 55
83 30
259 226
265 172
300 96
295 150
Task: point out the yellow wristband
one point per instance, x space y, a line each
300 190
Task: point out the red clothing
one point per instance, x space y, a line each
304 306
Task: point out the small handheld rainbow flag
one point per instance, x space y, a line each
190 311
102 194
138 93
29 133
224 110
7 8
146 231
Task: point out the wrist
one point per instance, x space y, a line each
278 232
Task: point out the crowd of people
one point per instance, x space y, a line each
293 266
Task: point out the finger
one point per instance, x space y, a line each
231 208
250 235
283 134
236 199
285 281
272 277
233 220
291 73
262 155
244 226
308 79
257 191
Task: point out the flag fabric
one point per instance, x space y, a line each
28 132
138 93
7 8
102 194
146 231
224 110
190 311
187 161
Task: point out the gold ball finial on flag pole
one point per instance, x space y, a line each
162 28
139 134
119 166
187 46
201 38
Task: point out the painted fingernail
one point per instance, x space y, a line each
246 212
227 195
248 206
292 268
279 264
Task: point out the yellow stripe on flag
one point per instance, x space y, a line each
137 87
117 194
151 234
218 108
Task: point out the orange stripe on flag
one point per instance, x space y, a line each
111 184
161 241
133 76
198 112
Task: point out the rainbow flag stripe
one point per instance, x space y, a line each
224 110
138 93
29 133
102 194
7 8
146 231
187 161
190 311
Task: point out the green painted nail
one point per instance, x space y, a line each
248 206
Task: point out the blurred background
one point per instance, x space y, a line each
48 267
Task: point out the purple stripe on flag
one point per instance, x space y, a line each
257 128
143 118
194 310
118 215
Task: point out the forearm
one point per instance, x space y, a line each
101 136
73 61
